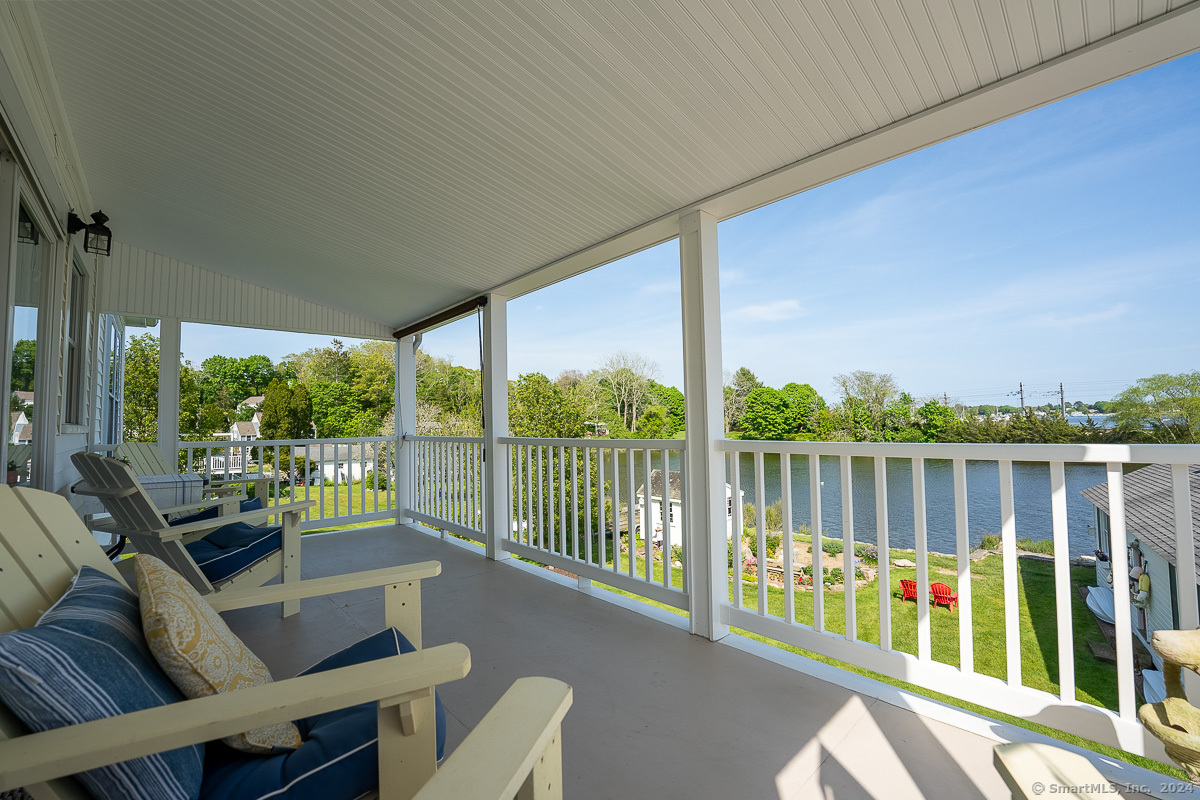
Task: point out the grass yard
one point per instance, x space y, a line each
349 501
1095 682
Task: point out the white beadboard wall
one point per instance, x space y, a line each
138 282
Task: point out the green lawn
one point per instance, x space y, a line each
1095 682
349 501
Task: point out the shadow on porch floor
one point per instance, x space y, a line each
658 712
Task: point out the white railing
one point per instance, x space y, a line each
446 490
580 506
909 495
351 479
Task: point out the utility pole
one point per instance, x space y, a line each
1062 400
945 399
1022 397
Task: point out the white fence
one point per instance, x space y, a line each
351 479
446 489
580 505
1063 709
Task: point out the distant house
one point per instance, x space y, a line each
26 434
340 463
251 402
675 509
26 398
17 422
1150 542
243 431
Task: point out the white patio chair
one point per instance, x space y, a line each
514 751
214 553
146 458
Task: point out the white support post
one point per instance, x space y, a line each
169 343
498 517
406 424
706 533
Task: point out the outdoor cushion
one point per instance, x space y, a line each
340 755
198 651
84 660
212 512
227 551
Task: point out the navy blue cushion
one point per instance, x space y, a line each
227 551
212 512
340 754
86 659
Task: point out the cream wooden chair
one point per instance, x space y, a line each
514 751
146 458
214 554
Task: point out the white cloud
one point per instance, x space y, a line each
1053 320
770 312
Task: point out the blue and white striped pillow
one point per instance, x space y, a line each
86 659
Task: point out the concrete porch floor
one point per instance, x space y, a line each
657 712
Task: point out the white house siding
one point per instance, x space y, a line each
1158 614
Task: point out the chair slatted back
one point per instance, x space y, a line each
135 514
115 483
43 543
146 458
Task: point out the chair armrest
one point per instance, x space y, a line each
244 516
1023 764
199 504
495 760
38 757
229 599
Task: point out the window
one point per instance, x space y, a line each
76 330
114 378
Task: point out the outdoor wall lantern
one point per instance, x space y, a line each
97 238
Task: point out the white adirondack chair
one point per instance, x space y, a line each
514 751
137 517
146 458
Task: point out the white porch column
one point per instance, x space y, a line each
707 573
406 423
495 425
168 388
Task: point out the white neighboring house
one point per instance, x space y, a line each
244 431
340 463
17 422
675 510
1150 542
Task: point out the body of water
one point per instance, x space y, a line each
1031 496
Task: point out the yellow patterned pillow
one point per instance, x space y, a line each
197 650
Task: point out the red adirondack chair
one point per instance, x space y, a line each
908 589
943 595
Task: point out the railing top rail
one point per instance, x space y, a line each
462 439
272 442
1085 453
635 444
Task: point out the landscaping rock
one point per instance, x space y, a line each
903 563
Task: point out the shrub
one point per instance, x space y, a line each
991 541
867 552
774 541
1044 546
832 546
677 553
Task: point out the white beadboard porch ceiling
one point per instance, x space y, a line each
392 158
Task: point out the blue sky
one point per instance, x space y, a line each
1060 245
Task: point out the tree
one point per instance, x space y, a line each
804 403
671 399
287 411
1166 406
872 389
627 377
936 420
336 410
538 407
24 358
141 388
653 423
330 364
373 371
767 414
738 386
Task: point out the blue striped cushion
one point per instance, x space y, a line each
84 660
